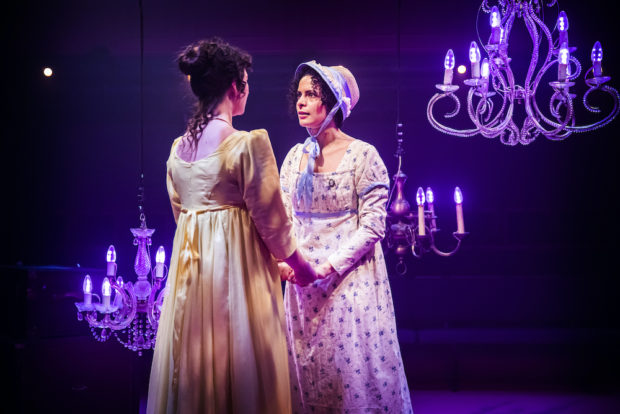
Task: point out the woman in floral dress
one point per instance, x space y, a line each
343 348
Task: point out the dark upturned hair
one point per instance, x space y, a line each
212 65
327 96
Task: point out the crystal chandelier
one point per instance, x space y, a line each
131 316
492 83
416 230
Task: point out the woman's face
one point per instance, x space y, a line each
310 109
239 107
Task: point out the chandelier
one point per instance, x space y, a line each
493 91
129 312
132 313
407 229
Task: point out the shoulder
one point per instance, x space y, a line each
364 150
173 147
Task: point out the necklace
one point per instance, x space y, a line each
221 119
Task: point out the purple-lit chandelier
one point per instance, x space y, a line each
492 81
132 313
129 312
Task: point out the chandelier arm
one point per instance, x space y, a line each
614 94
126 316
447 130
548 59
530 24
492 129
446 254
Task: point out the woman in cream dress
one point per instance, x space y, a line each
220 343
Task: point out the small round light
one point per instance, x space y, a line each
48 72
461 69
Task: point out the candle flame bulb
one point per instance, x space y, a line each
495 18
597 52
485 68
458 199
87 286
111 255
111 258
562 22
160 256
458 196
430 197
420 196
597 57
449 60
474 52
106 288
119 281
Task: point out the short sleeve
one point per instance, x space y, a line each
260 188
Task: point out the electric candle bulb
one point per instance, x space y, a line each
430 199
111 259
160 258
106 290
484 71
562 25
448 65
420 199
563 61
597 58
474 58
87 287
495 19
458 199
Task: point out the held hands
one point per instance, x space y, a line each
287 273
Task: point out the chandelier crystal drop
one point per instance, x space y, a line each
494 94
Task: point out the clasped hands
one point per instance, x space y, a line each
303 278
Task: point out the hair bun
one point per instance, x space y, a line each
191 60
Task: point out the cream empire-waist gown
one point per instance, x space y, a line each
221 345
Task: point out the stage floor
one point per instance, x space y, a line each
512 402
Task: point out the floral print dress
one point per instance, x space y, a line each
344 355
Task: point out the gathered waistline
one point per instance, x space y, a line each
207 210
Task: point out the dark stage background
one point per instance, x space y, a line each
529 303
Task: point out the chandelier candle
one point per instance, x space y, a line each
597 57
563 62
160 258
430 199
111 259
420 200
458 199
474 58
495 20
106 291
562 25
448 65
87 287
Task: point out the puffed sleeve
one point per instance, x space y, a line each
260 187
175 200
287 175
372 185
